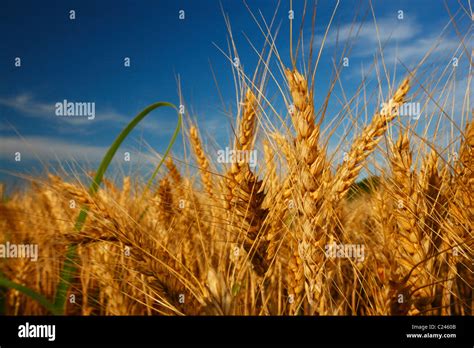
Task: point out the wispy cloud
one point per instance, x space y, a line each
399 40
53 149
46 149
29 106
414 51
26 104
371 33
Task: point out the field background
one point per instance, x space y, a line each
325 98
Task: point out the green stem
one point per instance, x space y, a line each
70 265
31 293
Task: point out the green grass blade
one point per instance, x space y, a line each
168 149
31 293
152 178
69 266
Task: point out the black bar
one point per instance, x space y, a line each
242 330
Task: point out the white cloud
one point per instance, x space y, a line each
25 103
29 106
157 124
370 32
46 149
415 50
400 40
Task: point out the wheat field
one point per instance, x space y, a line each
386 228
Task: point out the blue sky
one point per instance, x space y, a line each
83 60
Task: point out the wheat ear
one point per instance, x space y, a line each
202 160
